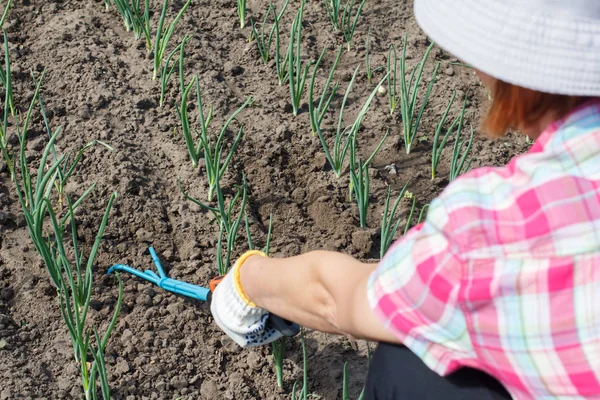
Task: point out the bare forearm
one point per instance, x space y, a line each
321 290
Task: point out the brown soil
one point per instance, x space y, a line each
98 86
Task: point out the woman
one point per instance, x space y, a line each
500 286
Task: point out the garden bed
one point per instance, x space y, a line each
98 85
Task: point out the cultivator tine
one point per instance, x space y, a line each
163 281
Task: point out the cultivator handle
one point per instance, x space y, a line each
201 293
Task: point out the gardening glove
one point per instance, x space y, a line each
236 315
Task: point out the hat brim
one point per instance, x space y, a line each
551 52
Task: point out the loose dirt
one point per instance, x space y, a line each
98 85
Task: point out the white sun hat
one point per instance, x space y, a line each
552 46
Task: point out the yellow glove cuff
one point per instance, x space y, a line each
236 274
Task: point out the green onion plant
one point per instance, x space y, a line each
460 154
333 8
5 13
55 238
134 17
297 73
388 227
281 60
344 137
317 113
263 41
360 187
67 168
169 67
251 246
163 35
278 349
344 17
406 95
4 136
346 378
336 155
359 178
304 391
241 9
207 148
142 28
5 75
438 146
228 223
349 23
345 383
126 12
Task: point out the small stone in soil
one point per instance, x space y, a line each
209 390
254 360
122 367
143 300
95 304
6 293
179 382
230 346
363 241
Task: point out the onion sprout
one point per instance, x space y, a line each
333 8
457 166
264 42
388 227
297 73
169 67
407 97
304 392
5 13
249 236
359 178
5 75
134 17
209 150
72 277
317 114
345 393
438 146
228 224
281 61
241 9
163 35
343 19
344 136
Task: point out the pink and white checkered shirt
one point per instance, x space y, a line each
504 274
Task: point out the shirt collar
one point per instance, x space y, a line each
574 117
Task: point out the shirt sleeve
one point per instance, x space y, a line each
415 292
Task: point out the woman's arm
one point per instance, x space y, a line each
321 290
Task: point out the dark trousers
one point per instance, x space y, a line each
397 373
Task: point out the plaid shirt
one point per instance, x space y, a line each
504 274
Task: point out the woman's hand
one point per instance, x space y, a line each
236 315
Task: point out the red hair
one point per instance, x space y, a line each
515 107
